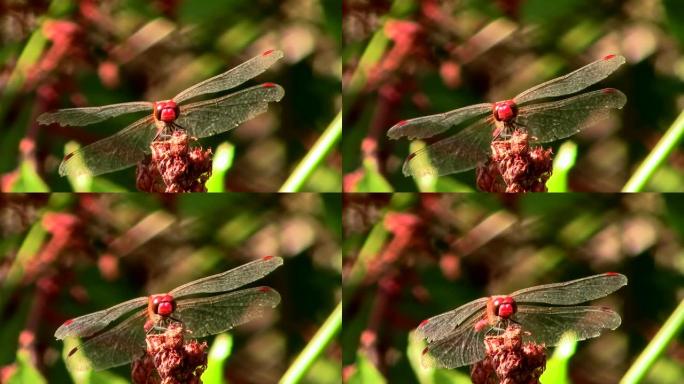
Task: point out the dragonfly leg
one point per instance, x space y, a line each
164 132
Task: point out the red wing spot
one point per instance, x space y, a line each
608 57
609 90
423 323
69 156
68 322
73 350
425 350
611 273
266 258
401 123
411 156
266 53
264 289
268 85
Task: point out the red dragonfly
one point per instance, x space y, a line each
198 119
544 122
544 312
207 306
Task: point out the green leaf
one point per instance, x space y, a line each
223 160
366 373
29 180
218 355
80 183
562 164
26 372
557 366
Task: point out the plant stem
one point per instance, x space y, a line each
318 343
322 147
649 355
657 156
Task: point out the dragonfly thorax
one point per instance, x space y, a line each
166 111
505 110
505 307
162 305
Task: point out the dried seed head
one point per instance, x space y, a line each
515 166
509 361
174 166
170 358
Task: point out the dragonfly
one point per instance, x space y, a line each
543 121
211 305
199 119
545 313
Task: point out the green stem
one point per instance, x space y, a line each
370 57
657 156
317 153
318 343
664 336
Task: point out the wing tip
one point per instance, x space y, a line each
277 260
276 53
393 133
279 91
620 59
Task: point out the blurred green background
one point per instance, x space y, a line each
408 257
66 255
60 54
409 58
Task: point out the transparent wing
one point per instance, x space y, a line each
458 153
441 326
115 152
560 119
118 345
215 314
231 279
84 116
548 324
428 126
89 324
233 77
573 82
572 292
206 118
462 347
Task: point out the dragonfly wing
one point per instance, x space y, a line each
116 346
229 280
440 326
91 323
84 116
548 324
233 77
573 82
457 153
207 118
464 346
428 126
115 152
215 314
572 292
559 119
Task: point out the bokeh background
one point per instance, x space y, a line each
66 255
408 257
65 54
405 59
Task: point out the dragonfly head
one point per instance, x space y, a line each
505 110
505 307
166 111
162 305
